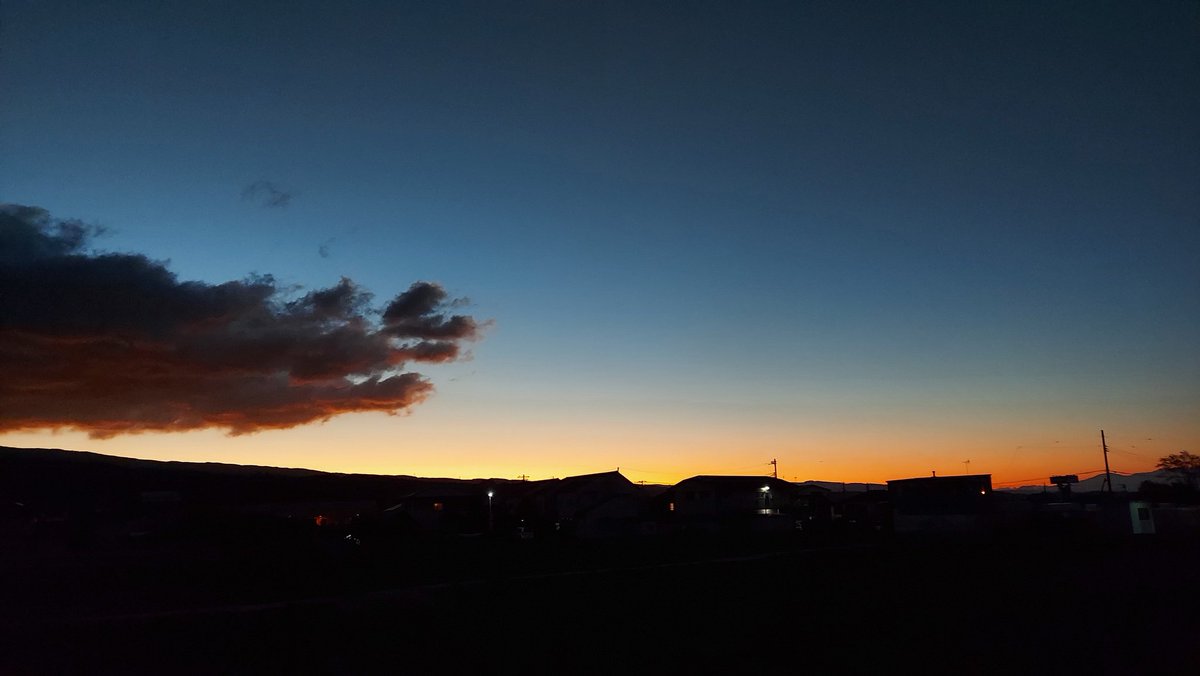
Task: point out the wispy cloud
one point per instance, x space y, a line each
113 343
325 250
267 194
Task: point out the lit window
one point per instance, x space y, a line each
671 507
437 506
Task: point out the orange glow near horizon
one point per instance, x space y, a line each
498 447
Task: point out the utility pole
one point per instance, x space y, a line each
775 471
967 464
1107 474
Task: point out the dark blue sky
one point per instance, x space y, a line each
795 227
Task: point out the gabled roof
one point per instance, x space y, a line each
573 481
947 479
739 481
566 484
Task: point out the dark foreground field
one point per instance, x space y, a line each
761 607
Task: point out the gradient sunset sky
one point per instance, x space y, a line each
870 239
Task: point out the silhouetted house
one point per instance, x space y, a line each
318 512
861 511
589 505
941 504
710 502
443 508
812 506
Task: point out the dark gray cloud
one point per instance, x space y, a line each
267 194
40 236
115 343
326 248
416 313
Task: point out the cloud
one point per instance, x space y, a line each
267 194
113 343
324 251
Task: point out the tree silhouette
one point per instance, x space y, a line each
1182 465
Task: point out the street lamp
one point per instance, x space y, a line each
490 521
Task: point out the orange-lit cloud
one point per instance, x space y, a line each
115 343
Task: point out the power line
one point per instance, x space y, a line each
1043 478
648 471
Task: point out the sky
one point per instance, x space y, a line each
869 240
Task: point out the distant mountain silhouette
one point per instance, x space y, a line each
1120 483
47 477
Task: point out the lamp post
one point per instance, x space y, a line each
490 522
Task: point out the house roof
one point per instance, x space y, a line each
584 478
948 479
554 486
739 482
